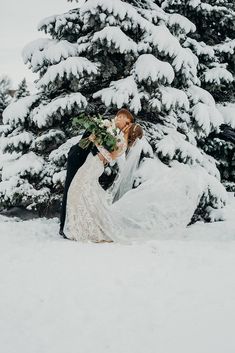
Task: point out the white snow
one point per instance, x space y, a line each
177 20
73 66
36 46
186 62
28 162
17 112
161 38
5 157
59 178
198 94
148 68
62 152
194 3
124 91
200 48
171 295
124 13
174 144
59 22
41 52
44 115
173 98
9 189
115 36
207 117
16 140
54 136
217 75
226 47
228 113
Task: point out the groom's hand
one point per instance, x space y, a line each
126 128
92 137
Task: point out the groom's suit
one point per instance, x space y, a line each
76 158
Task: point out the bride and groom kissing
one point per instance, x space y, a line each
87 214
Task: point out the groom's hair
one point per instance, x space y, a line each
127 113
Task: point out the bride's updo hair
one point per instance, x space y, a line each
134 132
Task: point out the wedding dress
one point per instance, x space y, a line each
158 207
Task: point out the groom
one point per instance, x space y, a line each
77 157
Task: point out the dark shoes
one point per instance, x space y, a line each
61 232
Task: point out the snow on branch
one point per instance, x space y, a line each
161 38
16 113
44 115
178 21
149 68
121 11
174 146
53 136
28 163
173 98
114 36
198 94
16 140
226 47
217 75
200 48
120 93
37 46
76 66
207 8
204 111
154 15
11 189
60 24
228 113
186 62
59 155
52 52
207 117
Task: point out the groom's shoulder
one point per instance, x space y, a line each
73 148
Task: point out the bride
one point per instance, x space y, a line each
161 206
89 209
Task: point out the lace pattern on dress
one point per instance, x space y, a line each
87 211
84 203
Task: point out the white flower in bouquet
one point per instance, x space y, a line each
103 132
106 123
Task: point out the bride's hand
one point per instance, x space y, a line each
102 158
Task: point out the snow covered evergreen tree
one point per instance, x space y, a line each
5 98
104 55
213 41
22 90
214 44
221 146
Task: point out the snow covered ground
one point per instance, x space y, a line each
167 296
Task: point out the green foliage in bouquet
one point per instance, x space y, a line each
106 133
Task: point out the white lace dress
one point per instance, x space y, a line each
87 212
156 208
87 204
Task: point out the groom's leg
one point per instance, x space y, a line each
76 158
69 177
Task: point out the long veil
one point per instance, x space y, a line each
126 178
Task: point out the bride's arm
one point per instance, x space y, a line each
117 153
109 156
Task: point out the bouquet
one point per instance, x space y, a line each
105 132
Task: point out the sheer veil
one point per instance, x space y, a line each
126 179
